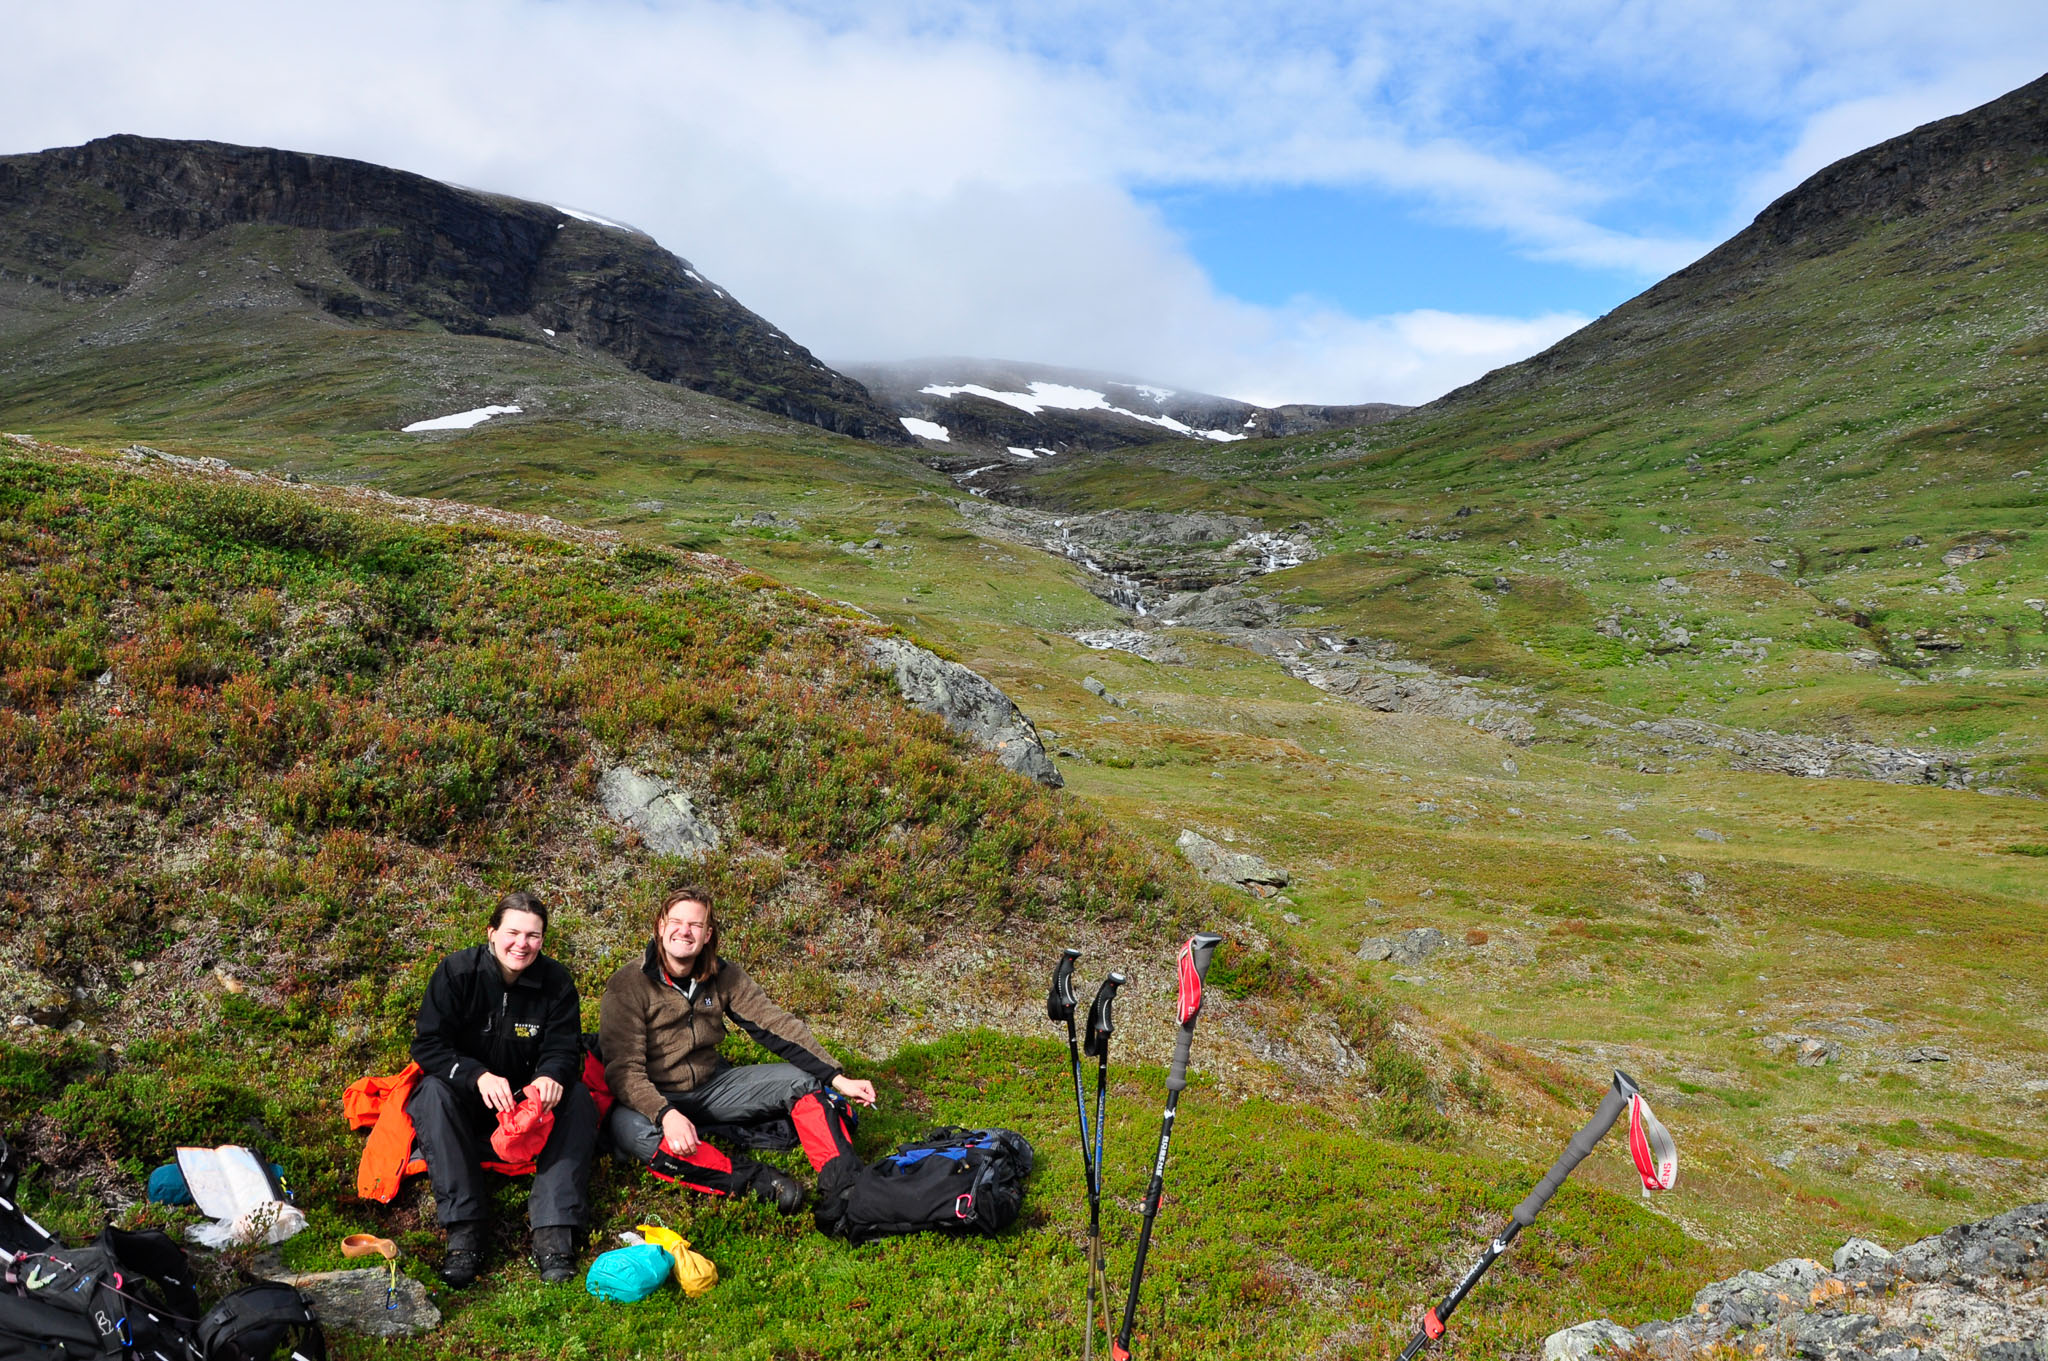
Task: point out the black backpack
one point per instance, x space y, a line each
968 1181
126 1295
269 1321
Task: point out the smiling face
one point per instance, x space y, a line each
683 931
515 941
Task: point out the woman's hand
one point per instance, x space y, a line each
496 1092
547 1089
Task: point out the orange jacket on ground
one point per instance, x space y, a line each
388 1159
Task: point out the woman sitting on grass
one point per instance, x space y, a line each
499 1018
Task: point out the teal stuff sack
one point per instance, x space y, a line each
629 1275
167 1186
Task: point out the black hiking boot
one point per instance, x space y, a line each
779 1189
465 1253
554 1253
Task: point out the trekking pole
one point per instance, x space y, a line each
1059 1006
1194 965
1101 1023
1656 1159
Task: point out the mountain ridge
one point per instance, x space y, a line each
1906 177
93 222
1019 410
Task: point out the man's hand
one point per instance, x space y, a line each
679 1133
855 1089
496 1092
547 1089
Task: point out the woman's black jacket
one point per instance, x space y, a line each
471 1023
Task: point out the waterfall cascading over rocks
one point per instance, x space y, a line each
1141 560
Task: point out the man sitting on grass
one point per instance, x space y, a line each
660 1027
498 1018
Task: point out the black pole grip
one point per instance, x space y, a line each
1059 998
1102 1017
1177 1075
1593 1131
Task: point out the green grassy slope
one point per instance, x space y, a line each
269 752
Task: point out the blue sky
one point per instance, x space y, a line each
1369 253
1290 200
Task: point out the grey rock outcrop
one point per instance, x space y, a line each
1600 1337
1808 1051
661 812
1973 1293
1813 757
1409 948
1224 866
1861 1254
354 1301
969 704
1402 687
1222 607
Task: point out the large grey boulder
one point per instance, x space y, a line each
1860 1254
355 1301
662 813
1600 1337
970 705
1222 866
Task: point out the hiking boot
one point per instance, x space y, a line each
554 1253
465 1253
779 1189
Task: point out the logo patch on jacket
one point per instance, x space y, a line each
524 1030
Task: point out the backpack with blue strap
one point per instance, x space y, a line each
954 1180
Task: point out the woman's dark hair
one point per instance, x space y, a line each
520 901
707 956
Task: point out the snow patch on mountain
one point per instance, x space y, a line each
926 429
593 218
1060 397
462 420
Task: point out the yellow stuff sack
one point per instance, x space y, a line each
694 1271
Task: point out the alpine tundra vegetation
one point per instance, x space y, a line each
1672 701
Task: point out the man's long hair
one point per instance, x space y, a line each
707 956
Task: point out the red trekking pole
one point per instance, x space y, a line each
1194 966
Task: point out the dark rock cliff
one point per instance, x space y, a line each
82 222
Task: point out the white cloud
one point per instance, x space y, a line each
940 176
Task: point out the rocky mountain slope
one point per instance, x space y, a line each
133 241
1020 412
1945 193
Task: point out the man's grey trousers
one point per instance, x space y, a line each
732 1096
